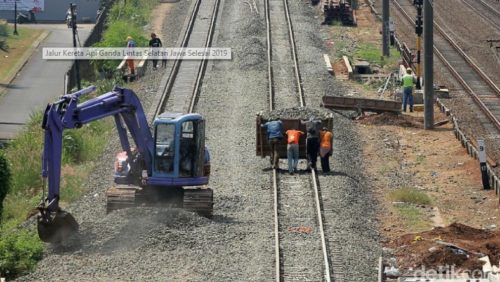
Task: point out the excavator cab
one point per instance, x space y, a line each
179 148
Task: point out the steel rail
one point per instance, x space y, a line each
493 10
320 224
269 56
466 2
203 65
277 262
459 50
478 101
291 36
460 79
302 103
177 63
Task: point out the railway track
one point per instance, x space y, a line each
483 91
486 10
298 214
179 94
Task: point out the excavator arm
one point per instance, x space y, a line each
55 224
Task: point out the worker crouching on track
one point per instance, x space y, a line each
292 149
274 129
408 80
325 148
312 141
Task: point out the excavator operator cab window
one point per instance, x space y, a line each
165 148
187 150
192 149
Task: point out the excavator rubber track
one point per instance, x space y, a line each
122 196
199 200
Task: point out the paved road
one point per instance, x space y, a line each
39 82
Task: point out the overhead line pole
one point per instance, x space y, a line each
428 65
385 28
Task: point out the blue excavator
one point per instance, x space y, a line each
168 166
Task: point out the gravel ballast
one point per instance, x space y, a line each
349 208
156 244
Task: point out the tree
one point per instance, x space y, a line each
4 33
4 180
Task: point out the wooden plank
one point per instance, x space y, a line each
348 65
364 104
328 63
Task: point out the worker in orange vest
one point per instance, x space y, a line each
292 149
325 148
130 62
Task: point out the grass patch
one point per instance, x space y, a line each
17 46
126 18
21 249
19 252
373 54
420 159
410 196
81 147
414 219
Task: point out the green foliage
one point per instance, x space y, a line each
125 18
373 54
410 196
19 252
4 33
24 154
72 146
415 219
4 30
4 180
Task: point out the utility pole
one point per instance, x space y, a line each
418 31
385 28
77 63
15 18
428 64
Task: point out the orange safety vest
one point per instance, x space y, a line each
325 139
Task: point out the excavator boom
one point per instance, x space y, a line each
53 223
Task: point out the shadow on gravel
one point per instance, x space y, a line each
219 218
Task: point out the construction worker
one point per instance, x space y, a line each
325 148
274 129
392 29
155 42
407 81
312 141
292 149
130 62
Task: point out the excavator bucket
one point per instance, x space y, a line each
54 227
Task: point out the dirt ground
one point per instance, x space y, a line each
458 245
399 153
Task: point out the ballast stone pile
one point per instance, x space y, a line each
302 113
